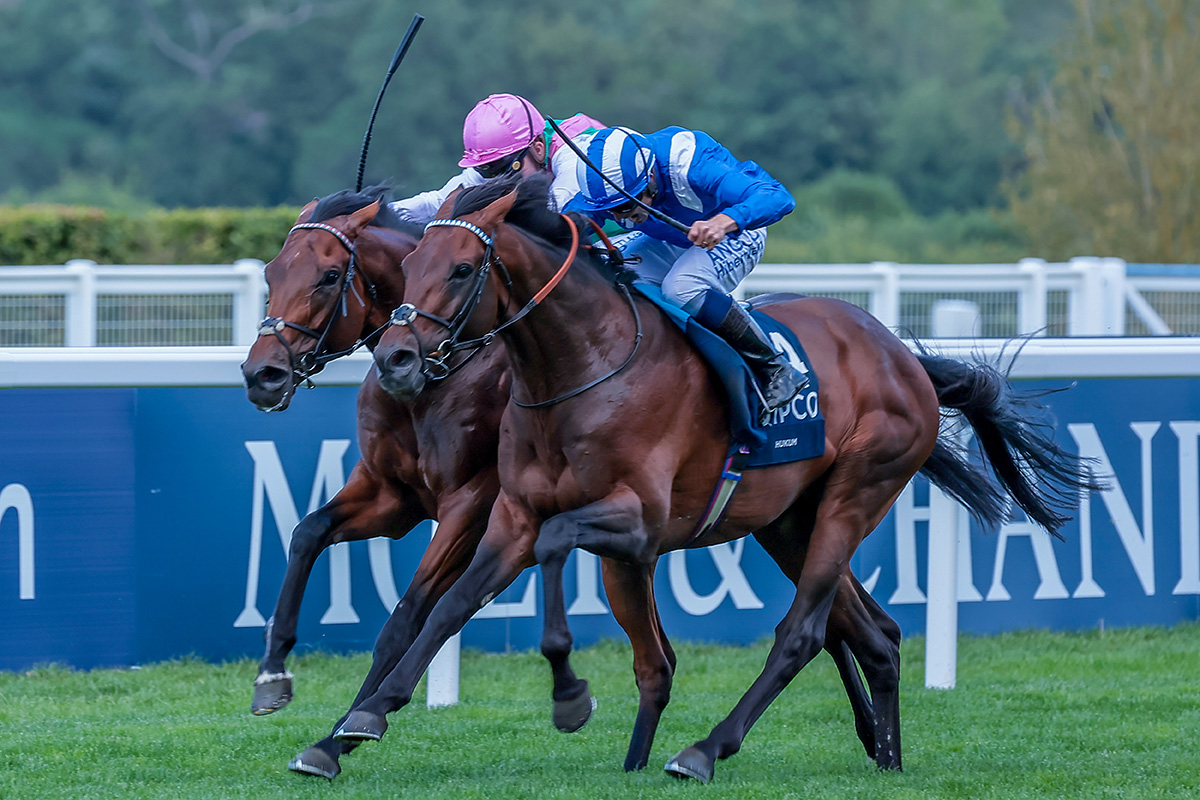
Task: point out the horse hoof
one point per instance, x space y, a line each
691 763
361 726
571 715
315 761
271 694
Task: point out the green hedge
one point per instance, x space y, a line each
47 234
846 218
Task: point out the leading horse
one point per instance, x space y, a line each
330 284
625 468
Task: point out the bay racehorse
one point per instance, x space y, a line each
333 285
625 468
417 465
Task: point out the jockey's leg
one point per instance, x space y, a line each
700 281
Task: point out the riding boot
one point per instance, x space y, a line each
780 381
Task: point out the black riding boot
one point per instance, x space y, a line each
780 381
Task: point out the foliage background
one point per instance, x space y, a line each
905 127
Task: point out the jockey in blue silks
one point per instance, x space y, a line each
727 204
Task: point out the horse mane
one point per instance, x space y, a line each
347 202
530 212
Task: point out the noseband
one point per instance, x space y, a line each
435 364
306 364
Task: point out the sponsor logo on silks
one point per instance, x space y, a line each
803 406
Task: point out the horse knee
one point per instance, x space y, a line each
310 537
554 542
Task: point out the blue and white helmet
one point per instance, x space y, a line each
625 157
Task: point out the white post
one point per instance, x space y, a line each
1113 270
1031 302
885 304
947 520
249 304
956 319
81 304
441 679
1087 313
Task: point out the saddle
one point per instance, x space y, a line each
792 433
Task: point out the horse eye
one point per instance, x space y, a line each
462 271
330 278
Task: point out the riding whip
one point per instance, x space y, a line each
654 212
413 27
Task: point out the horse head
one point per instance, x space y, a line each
455 291
329 290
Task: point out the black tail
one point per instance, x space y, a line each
1042 478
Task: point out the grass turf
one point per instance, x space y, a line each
1035 714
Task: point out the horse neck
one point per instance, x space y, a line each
581 328
380 253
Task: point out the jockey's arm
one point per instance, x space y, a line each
422 208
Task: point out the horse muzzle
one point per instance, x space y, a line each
400 371
268 387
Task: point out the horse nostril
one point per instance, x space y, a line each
401 359
271 377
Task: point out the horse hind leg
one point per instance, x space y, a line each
848 509
872 638
858 628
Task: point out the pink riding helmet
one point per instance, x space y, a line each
498 126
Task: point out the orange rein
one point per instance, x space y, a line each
558 276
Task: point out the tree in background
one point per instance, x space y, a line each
260 102
1113 163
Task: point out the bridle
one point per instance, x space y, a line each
307 364
435 364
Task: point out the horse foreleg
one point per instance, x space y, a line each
630 591
364 508
443 563
506 550
609 524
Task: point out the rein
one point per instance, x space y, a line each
434 365
307 364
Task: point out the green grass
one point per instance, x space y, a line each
1034 715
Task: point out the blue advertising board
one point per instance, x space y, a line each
140 524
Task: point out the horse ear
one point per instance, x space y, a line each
361 218
306 212
495 213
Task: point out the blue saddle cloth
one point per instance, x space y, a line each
790 434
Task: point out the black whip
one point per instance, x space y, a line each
396 59
654 212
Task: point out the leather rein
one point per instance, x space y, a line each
435 366
307 364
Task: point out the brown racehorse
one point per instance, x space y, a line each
423 460
416 465
625 468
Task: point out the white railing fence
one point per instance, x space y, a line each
83 304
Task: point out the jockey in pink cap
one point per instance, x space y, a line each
505 133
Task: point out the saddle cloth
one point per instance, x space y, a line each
789 434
